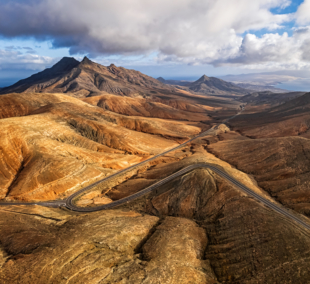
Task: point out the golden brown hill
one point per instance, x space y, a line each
183 105
12 105
106 247
64 145
247 243
143 176
177 110
208 232
15 104
279 165
42 159
196 229
289 119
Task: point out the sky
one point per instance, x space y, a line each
180 39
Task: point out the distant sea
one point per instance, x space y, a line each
7 82
301 84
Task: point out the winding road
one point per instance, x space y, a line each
70 204
185 170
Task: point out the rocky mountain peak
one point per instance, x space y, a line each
115 70
161 79
86 60
65 64
203 78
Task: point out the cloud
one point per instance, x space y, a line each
270 51
180 31
14 59
177 27
17 63
303 13
270 47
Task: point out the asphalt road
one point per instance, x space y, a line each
70 204
279 209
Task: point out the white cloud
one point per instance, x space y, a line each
184 31
268 48
180 27
12 59
303 13
271 51
285 4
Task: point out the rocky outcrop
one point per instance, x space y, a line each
279 165
175 254
288 119
71 249
106 247
247 243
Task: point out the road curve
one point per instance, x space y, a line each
67 202
70 205
183 171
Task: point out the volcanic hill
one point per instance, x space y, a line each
291 118
212 85
85 78
51 143
268 98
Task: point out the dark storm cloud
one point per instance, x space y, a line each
186 31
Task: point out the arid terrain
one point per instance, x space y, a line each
78 122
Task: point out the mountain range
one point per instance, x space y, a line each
258 87
209 86
87 78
